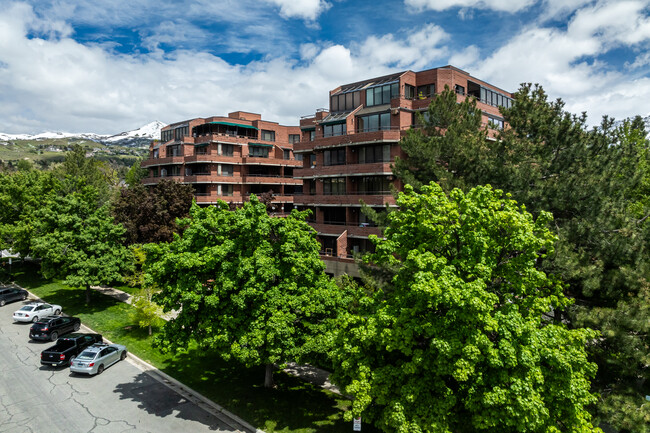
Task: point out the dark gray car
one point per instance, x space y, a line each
10 294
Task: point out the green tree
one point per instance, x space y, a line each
458 341
595 182
135 174
147 313
245 283
447 147
77 240
149 213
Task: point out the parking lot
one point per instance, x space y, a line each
35 398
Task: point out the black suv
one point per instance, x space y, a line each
8 294
50 327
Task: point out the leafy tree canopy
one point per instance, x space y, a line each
245 283
149 213
458 340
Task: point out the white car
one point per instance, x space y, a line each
35 311
94 359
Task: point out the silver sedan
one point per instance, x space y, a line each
96 358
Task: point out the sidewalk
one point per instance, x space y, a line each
307 373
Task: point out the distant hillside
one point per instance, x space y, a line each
120 150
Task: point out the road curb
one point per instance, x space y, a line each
200 400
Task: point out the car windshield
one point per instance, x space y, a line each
27 308
87 355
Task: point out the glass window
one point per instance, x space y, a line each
298 156
226 190
459 89
294 138
226 149
258 151
312 159
370 97
374 122
409 91
370 154
334 129
334 186
268 135
286 154
312 135
226 169
155 153
334 157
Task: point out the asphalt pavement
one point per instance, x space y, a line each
128 396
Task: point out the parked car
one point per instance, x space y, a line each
51 327
98 357
10 294
36 311
68 348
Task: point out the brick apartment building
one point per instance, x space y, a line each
228 158
347 151
333 161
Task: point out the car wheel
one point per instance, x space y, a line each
35 319
57 312
24 296
77 326
71 359
54 336
123 356
100 369
2 302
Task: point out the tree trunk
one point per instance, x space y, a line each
268 379
149 330
87 294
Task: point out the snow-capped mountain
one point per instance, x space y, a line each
136 138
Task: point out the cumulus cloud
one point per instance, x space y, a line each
559 60
61 84
305 9
498 5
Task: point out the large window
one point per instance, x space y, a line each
345 101
488 96
166 135
334 186
370 154
155 154
495 123
180 132
225 169
426 91
374 185
409 91
374 122
286 154
334 129
381 94
226 149
174 150
268 135
334 157
225 190
200 150
334 215
294 138
258 151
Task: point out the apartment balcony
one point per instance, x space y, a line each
336 229
375 168
349 199
256 160
262 179
154 162
211 178
352 138
221 138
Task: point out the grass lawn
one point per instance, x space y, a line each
294 406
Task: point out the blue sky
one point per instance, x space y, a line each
106 67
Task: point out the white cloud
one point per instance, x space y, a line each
305 9
498 5
565 61
416 51
60 84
